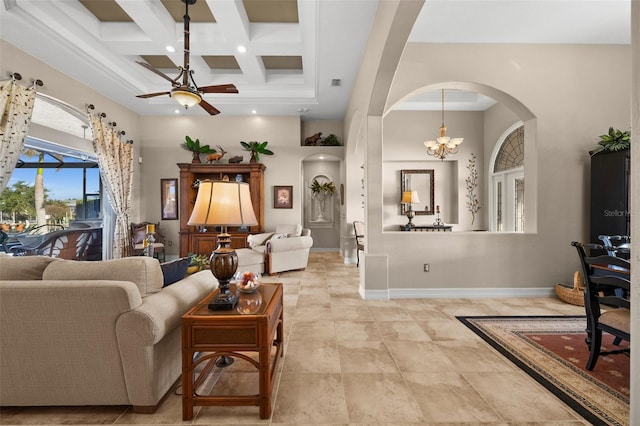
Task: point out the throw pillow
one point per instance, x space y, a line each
291 230
175 270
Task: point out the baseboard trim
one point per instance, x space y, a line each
456 293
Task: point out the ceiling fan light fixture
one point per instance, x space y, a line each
186 98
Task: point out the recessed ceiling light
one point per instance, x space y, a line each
177 111
321 157
241 49
253 111
170 49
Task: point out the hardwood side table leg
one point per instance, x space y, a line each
187 385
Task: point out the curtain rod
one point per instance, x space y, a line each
17 77
111 123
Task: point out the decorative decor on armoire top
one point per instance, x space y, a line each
256 148
473 204
197 149
614 140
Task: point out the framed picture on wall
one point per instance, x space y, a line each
283 197
169 199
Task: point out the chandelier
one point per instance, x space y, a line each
444 145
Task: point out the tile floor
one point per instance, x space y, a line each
351 361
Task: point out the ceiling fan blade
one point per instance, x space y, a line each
151 95
152 69
219 88
208 107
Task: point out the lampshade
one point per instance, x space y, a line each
221 203
410 197
186 98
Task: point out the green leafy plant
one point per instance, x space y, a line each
328 188
197 149
331 140
194 146
615 140
256 148
199 260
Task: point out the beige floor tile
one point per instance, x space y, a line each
448 329
61 415
380 398
347 331
351 313
474 356
310 399
402 330
419 356
530 401
365 357
448 397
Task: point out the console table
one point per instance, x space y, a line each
255 326
428 228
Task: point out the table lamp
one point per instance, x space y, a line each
222 203
409 197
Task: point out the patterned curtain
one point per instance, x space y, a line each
16 102
115 158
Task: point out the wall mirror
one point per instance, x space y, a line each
422 182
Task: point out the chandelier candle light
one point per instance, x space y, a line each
444 145
409 197
223 203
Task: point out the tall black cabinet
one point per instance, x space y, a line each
610 173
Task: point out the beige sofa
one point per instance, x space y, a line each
285 249
91 333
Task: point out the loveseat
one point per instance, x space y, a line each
91 333
286 249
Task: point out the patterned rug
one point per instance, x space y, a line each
552 350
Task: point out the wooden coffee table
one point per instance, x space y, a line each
256 325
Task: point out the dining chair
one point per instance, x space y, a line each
616 245
358 230
606 299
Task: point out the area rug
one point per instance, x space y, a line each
552 350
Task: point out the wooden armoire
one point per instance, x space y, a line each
199 241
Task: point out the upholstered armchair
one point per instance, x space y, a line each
285 249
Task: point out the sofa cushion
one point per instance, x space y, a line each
21 268
289 230
143 271
257 240
174 270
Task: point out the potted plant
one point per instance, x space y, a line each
331 140
326 188
256 148
198 262
197 149
615 140
319 192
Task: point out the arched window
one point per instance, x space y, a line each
507 182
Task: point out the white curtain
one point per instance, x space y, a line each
16 102
115 158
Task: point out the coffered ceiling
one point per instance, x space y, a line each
301 57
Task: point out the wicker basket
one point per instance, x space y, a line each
573 295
